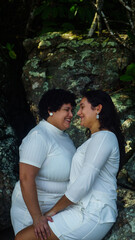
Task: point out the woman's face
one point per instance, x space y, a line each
62 117
87 113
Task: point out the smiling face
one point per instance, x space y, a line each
62 117
88 115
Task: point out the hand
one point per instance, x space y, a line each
41 227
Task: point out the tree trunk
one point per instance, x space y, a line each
99 4
97 18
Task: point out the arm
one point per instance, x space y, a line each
59 206
29 192
32 154
98 150
28 188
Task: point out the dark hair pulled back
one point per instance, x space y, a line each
108 117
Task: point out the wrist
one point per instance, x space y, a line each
37 217
50 213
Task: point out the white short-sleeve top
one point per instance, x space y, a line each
93 175
51 150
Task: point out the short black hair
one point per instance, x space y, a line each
53 99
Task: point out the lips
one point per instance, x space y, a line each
68 120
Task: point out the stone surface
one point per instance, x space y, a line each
8 149
71 62
124 228
13 121
8 170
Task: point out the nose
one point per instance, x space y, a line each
79 112
70 114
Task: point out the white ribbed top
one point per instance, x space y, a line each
51 150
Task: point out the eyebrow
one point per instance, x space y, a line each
67 108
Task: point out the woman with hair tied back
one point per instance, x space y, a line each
88 208
45 160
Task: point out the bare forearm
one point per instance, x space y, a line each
29 193
59 206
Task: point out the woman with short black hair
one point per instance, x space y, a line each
45 160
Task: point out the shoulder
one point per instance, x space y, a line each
38 134
105 137
104 134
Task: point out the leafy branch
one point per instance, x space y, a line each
99 15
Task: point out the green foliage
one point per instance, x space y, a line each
129 75
69 15
12 53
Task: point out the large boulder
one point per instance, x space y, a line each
71 62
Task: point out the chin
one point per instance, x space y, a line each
67 127
82 123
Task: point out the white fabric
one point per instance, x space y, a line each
92 187
93 173
51 150
76 226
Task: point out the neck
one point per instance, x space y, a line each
95 127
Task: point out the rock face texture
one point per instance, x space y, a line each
15 120
8 149
74 63
66 61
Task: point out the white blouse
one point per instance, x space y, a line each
51 150
93 175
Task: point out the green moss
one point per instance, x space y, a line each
45 86
34 62
43 43
37 74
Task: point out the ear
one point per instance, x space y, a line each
50 113
99 108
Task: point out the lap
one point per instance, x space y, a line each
20 216
74 224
